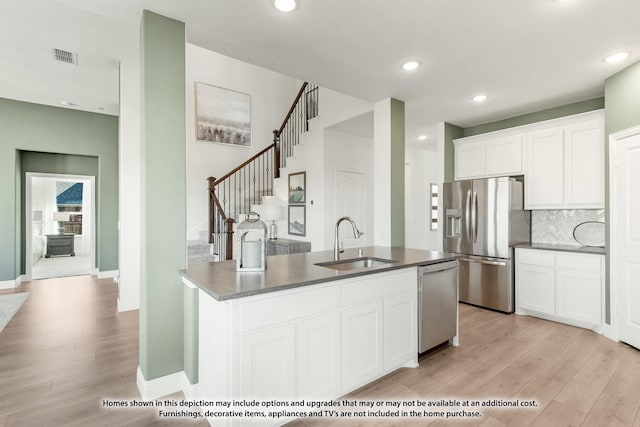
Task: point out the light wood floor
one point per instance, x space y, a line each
64 351
68 348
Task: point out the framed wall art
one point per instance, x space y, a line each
222 115
298 187
298 220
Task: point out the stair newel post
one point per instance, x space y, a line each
276 157
229 252
212 188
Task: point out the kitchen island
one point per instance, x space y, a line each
304 331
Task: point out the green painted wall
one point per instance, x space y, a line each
397 173
32 127
163 201
68 164
622 111
538 116
451 132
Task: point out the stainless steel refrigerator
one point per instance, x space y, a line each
484 218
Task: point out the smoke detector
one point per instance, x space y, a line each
65 56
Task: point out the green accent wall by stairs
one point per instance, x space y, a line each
26 127
163 196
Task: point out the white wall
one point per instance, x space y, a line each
348 152
309 156
271 97
421 169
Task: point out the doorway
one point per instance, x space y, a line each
625 234
59 225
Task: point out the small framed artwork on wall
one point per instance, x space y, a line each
298 187
298 220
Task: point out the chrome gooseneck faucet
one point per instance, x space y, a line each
356 233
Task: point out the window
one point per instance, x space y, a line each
434 207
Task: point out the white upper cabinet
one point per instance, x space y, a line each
584 164
479 157
562 160
565 165
504 156
470 160
544 176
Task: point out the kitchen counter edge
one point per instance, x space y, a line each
221 281
598 250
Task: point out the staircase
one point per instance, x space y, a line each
234 193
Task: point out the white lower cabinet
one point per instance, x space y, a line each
536 288
319 356
562 286
362 344
400 330
268 369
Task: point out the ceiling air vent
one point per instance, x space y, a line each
65 56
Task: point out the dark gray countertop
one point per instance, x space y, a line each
223 282
565 248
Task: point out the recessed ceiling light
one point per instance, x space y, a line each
422 137
480 98
285 5
616 57
410 65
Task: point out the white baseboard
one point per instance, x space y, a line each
108 274
163 386
12 284
610 332
122 306
7 284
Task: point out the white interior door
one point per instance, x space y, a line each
349 201
626 238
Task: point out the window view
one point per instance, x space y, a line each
69 204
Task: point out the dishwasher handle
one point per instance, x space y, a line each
441 266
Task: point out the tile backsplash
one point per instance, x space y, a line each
556 226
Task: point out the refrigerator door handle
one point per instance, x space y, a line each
474 216
467 214
482 261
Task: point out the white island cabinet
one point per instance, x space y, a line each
311 342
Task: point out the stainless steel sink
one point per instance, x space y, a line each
356 263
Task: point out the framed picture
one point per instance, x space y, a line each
223 115
298 220
298 187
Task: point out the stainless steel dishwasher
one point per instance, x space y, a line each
437 304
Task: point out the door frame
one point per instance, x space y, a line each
28 264
611 330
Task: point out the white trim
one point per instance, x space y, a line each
107 274
8 284
191 391
166 385
564 120
611 330
27 215
123 307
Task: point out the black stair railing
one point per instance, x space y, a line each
236 191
